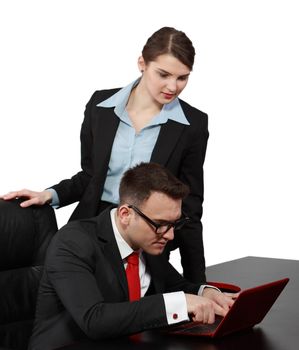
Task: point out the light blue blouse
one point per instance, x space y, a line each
130 148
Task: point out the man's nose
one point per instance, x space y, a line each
169 235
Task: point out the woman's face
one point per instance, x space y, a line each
165 78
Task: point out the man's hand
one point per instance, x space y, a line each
200 309
34 198
222 301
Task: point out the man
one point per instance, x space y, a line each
86 290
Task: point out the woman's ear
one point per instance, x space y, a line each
141 64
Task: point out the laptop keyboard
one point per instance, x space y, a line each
197 327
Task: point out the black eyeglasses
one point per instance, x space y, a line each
161 229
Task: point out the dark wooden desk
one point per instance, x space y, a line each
278 331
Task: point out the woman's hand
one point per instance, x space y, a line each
33 198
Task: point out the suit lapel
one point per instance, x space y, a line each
111 252
110 249
168 137
105 129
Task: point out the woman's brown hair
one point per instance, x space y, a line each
168 40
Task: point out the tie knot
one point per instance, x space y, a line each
133 258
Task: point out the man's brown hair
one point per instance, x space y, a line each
139 182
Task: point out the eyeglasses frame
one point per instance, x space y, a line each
180 222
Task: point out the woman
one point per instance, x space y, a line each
145 121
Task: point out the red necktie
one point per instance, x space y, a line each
132 272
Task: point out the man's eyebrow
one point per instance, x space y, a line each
162 221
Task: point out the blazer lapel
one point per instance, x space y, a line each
105 129
110 249
112 254
168 137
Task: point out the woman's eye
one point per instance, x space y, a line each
163 75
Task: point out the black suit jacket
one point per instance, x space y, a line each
83 291
180 148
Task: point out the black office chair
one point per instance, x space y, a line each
24 238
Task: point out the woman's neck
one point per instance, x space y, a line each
141 108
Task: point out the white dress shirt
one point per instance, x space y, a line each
175 303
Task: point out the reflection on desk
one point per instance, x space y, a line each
253 339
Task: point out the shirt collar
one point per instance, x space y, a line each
172 110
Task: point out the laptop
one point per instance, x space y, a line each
249 309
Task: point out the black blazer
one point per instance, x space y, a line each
83 291
180 148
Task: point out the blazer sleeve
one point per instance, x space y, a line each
190 238
70 266
71 190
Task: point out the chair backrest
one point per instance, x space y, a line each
24 237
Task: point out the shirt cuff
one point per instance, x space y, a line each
176 307
55 199
202 287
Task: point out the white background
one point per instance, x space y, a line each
54 54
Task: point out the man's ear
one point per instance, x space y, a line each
124 214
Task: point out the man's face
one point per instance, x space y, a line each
140 234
